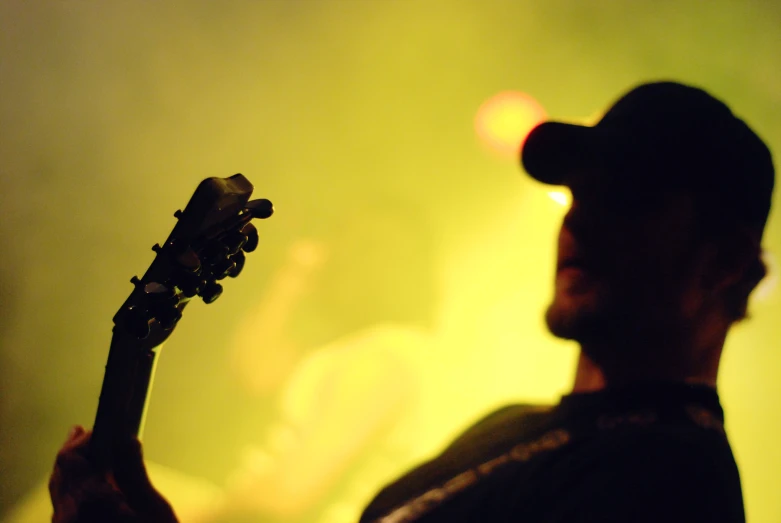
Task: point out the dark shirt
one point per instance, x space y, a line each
643 453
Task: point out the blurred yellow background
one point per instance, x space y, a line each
398 290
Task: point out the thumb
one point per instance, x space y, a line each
133 481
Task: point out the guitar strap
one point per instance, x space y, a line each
557 438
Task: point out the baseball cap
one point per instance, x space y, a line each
663 135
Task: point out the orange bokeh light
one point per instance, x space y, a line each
504 121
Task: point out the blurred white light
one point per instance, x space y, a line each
770 282
560 197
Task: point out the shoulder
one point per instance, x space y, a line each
659 473
650 452
666 443
507 414
508 422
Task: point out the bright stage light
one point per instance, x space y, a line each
504 121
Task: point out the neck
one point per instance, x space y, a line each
591 376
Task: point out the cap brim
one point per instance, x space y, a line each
554 151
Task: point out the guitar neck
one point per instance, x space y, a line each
123 397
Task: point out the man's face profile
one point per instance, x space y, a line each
627 261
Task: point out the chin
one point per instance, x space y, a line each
576 318
561 323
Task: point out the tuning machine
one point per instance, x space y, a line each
210 292
238 264
261 208
162 304
187 273
159 302
234 241
251 233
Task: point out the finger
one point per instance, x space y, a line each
71 467
78 439
74 432
70 471
132 479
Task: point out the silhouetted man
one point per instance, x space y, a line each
658 255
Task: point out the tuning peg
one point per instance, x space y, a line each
190 283
238 260
251 233
162 304
223 268
215 252
211 292
262 208
234 240
158 292
188 260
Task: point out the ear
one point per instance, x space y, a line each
732 255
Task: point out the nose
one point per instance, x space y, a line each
586 218
598 204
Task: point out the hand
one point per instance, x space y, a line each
82 494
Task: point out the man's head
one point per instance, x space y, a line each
670 195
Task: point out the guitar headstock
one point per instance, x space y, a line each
208 243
